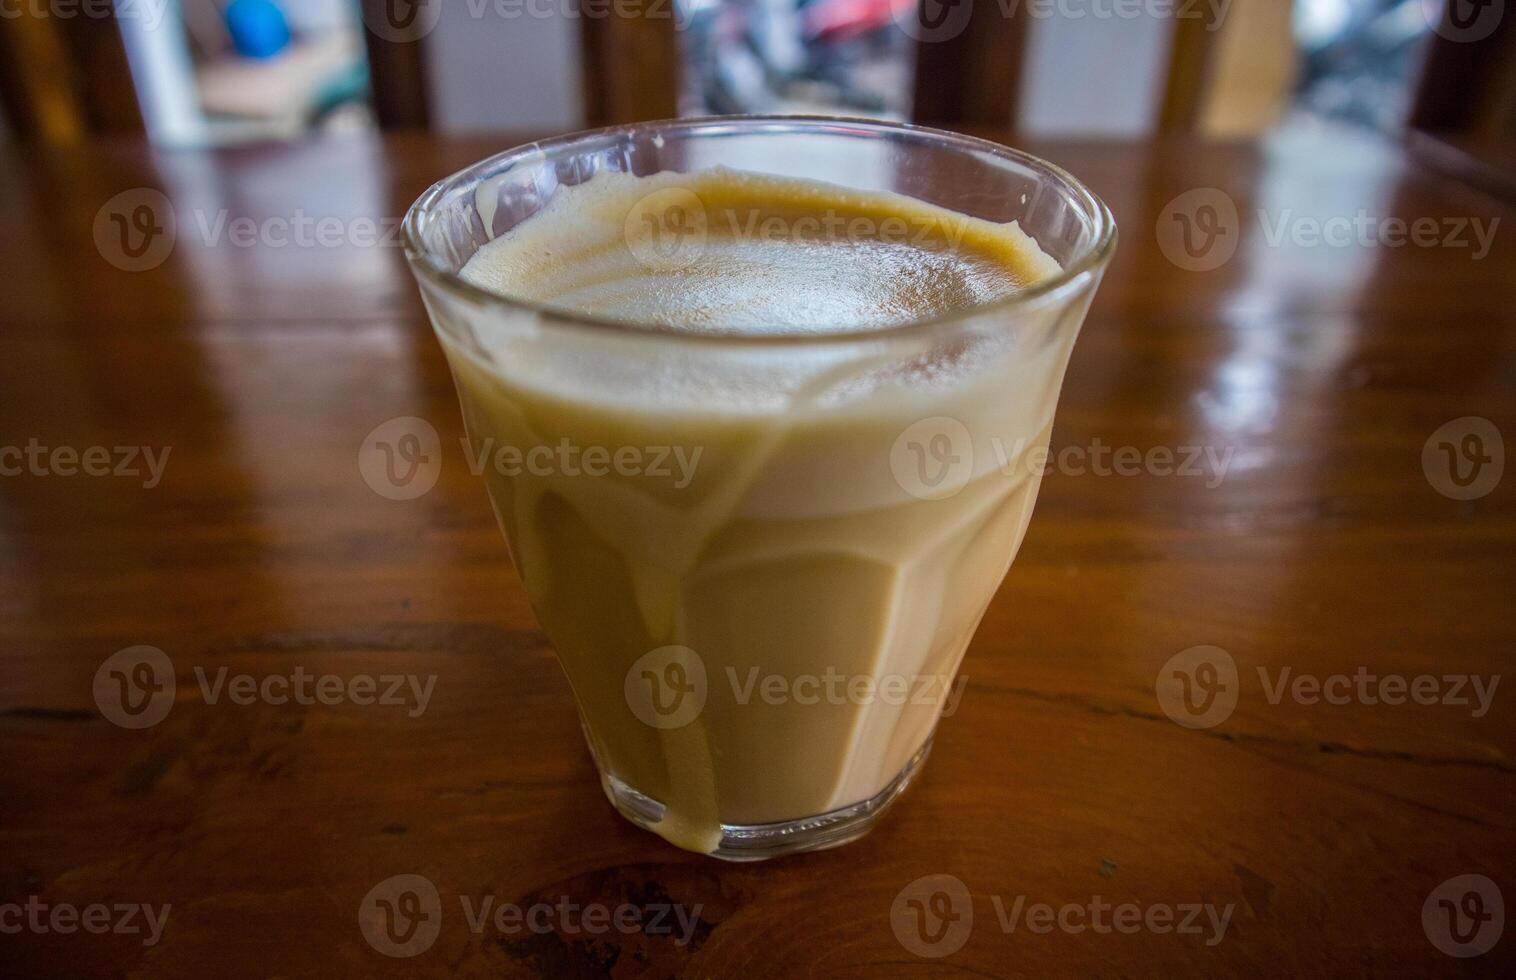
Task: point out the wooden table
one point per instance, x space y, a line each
1320 830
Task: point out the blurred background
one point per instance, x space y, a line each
209 72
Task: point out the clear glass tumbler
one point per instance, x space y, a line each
760 556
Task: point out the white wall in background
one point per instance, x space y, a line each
319 16
494 73
157 50
1094 75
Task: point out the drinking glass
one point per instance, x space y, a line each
760 555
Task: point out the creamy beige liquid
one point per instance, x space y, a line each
795 540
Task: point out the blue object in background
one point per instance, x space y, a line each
257 27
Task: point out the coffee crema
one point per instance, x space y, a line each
725 251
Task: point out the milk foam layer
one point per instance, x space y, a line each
723 251
809 538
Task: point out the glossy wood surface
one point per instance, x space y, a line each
1322 370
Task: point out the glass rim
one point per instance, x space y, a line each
424 262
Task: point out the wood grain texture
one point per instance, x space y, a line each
394 43
629 55
969 63
64 74
1322 370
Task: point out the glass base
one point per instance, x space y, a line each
758 842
